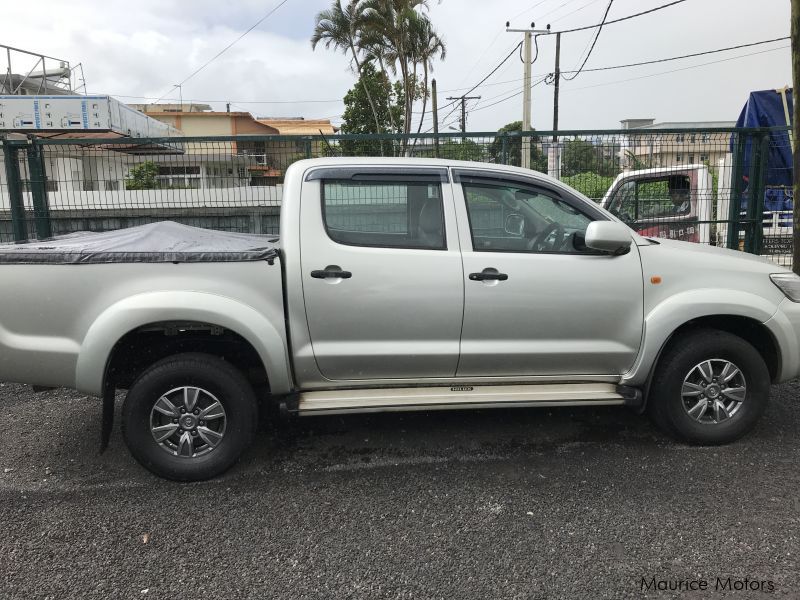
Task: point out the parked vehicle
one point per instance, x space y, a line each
396 285
675 203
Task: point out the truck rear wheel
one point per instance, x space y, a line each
710 387
189 417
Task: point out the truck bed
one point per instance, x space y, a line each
79 289
166 241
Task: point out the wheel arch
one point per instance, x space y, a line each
740 313
138 315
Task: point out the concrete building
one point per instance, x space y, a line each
650 147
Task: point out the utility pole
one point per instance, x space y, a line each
795 35
526 89
463 100
557 80
435 101
554 153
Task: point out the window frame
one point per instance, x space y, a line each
462 176
379 178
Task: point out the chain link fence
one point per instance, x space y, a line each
724 187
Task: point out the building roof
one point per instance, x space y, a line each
300 126
689 125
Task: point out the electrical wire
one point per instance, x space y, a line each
660 60
713 62
574 11
514 95
496 83
229 46
597 35
621 19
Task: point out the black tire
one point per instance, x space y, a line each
223 383
666 404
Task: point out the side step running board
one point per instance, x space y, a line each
463 396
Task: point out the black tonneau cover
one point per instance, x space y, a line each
166 241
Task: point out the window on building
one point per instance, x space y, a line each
679 138
704 158
691 159
180 177
679 158
111 185
693 138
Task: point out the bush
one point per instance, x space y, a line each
589 184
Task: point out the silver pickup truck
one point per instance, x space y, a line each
395 285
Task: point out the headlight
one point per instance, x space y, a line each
789 284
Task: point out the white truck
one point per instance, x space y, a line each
679 203
396 285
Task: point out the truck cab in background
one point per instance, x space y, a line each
675 203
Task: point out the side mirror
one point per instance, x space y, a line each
515 224
609 236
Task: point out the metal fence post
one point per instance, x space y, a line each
14 185
504 151
308 148
759 153
735 210
38 175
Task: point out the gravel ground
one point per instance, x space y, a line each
568 503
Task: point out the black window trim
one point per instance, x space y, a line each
379 173
462 176
390 179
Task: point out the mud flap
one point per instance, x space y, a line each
109 394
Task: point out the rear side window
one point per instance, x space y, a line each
384 214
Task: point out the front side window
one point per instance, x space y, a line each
509 217
384 213
653 199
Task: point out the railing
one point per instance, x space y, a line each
683 183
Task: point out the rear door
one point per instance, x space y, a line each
381 273
537 302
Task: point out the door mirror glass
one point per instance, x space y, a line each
515 224
608 236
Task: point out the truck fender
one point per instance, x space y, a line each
154 307
672 313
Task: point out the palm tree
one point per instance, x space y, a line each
427 45
387 33
341 28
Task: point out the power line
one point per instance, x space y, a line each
597 35
514 95
229 46
660 60
639 14
713 62
528 9
574 11
496 83
493 71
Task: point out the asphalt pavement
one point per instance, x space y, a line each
511 503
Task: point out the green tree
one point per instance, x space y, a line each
396 35
387 98
513 149
342 28
578 156
461 150
142 176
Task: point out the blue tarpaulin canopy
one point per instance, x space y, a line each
766 109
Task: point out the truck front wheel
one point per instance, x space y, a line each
189 417
710 387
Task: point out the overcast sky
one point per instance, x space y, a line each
142 48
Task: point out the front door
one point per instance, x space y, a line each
382 274
537 301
